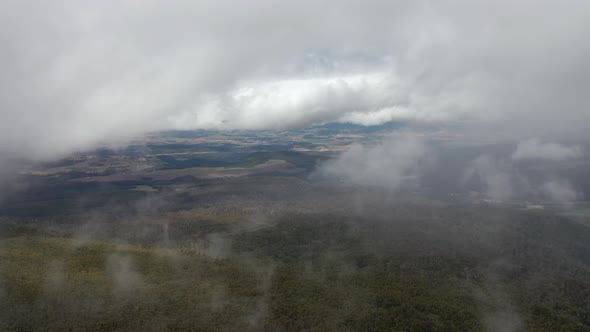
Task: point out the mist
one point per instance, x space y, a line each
534 149
389 165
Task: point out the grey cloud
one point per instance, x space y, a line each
502 179
495 175
535 149
388 165
560 191
79 73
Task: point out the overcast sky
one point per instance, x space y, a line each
75 73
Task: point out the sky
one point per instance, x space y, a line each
80 73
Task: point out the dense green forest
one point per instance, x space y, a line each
437 269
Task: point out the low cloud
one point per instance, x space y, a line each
535 149
503 315
389 165
495 176
502 178
126 280
384 115
560 191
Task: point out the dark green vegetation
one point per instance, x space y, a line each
440 268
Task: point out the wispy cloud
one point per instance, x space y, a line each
388 165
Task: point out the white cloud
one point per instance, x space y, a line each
290 102
535 149
384 115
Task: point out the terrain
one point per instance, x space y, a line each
235 231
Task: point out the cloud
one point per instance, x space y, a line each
388 114
535 149
80 73
496 176
290 102
502 179
560 191
389 165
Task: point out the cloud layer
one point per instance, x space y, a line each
76 73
